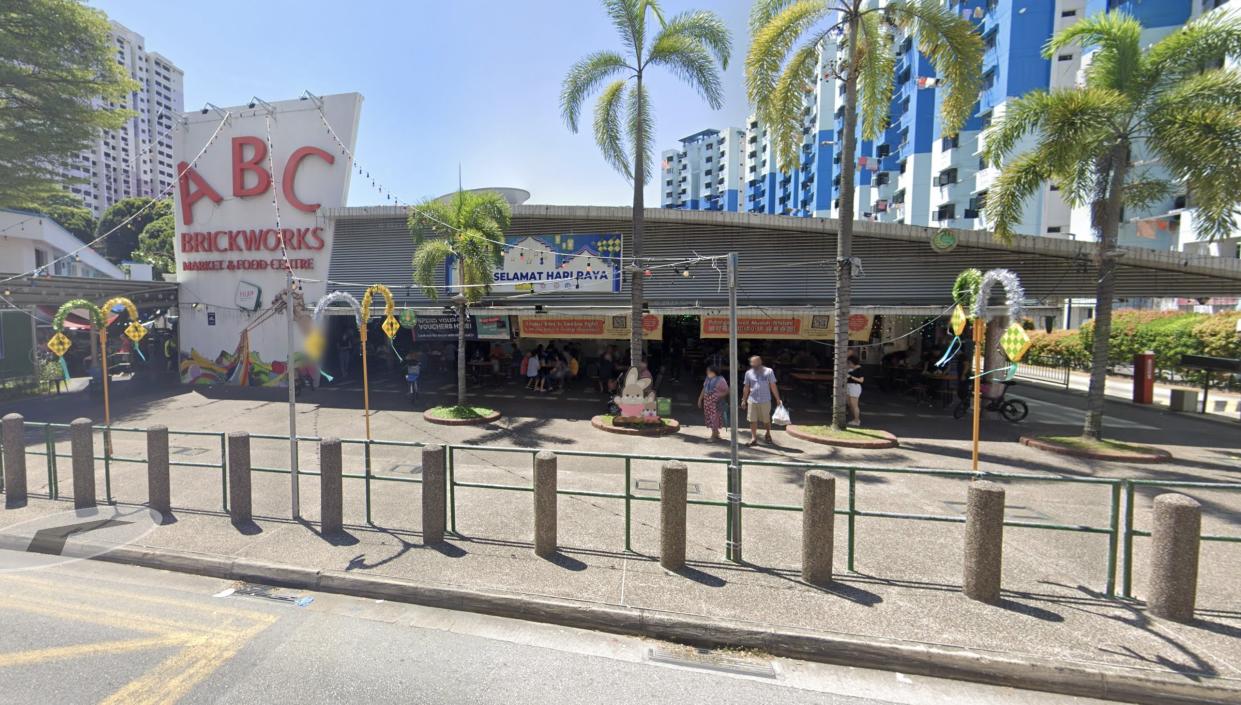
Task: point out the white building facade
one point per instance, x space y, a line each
136 159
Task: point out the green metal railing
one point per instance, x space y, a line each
1128 534
1119 530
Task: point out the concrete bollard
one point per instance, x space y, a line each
82 442
545 504
239 477
434 494
984 541
331 501
158 483
818 527
672 507
1175 536
14 435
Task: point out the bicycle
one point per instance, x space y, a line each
1013 410
412 373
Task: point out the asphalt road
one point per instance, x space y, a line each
89 632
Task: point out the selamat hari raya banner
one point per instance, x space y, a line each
566 262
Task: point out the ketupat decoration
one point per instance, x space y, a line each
1015 342
958 321
390 325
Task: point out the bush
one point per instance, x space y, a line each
1057 348
1169 334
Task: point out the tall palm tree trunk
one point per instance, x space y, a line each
637 277
844 238
1106 219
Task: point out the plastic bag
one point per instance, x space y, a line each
781 416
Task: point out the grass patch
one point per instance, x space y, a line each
849 434
460 413
1097 446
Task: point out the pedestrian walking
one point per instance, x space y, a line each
854 388
760 388
711 400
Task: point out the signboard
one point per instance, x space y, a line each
860 325
248 296
587 327
249 203
775 327
443 326
566 262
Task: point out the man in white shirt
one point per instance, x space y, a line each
759 389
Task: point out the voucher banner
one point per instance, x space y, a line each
775 327
588 327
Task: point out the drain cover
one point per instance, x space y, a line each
653 486
708 660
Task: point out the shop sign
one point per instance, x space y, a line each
588 327
774 327
570 262
248 296
443 326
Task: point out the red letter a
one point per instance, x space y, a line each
188 198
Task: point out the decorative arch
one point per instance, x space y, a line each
1014 294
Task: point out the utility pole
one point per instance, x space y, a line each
733 550
291 380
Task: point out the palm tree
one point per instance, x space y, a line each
777 82
689 45
1166 104
469 228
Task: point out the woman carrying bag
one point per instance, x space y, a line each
711 400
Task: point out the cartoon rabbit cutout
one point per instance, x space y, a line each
632 399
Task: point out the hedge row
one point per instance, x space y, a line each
1170 334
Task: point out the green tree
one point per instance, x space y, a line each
779 72
690 45
155 244
1165 101
59 85
67 210
125 220
469 229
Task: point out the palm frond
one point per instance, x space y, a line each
1021 116
1195 46
1118 58
1143 190
876 66
768 48
641 127
1219 87
703 27
1200 144
608 132
953 47
1081 124
1006 198
689 60
762 12
428 261
582 80
627 17
431 216
787 100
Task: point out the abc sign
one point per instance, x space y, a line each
193 187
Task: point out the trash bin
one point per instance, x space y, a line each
1184 400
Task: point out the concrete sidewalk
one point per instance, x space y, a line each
1059 627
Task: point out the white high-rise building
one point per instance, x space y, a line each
136 159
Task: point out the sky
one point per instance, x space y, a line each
474 83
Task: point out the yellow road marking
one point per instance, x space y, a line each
93 590
61 653
76 613
177 675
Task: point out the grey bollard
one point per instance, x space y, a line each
239 476
818 527
434 494
672 508
331 501
14 435
545 504
82 442
984 541
1175 535
158 487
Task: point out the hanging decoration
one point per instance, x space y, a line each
964 292
971 291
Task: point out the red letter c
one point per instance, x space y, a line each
290 174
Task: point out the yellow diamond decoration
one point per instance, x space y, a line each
314 344
58 344
1015 342
959 319
390 325
135 332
